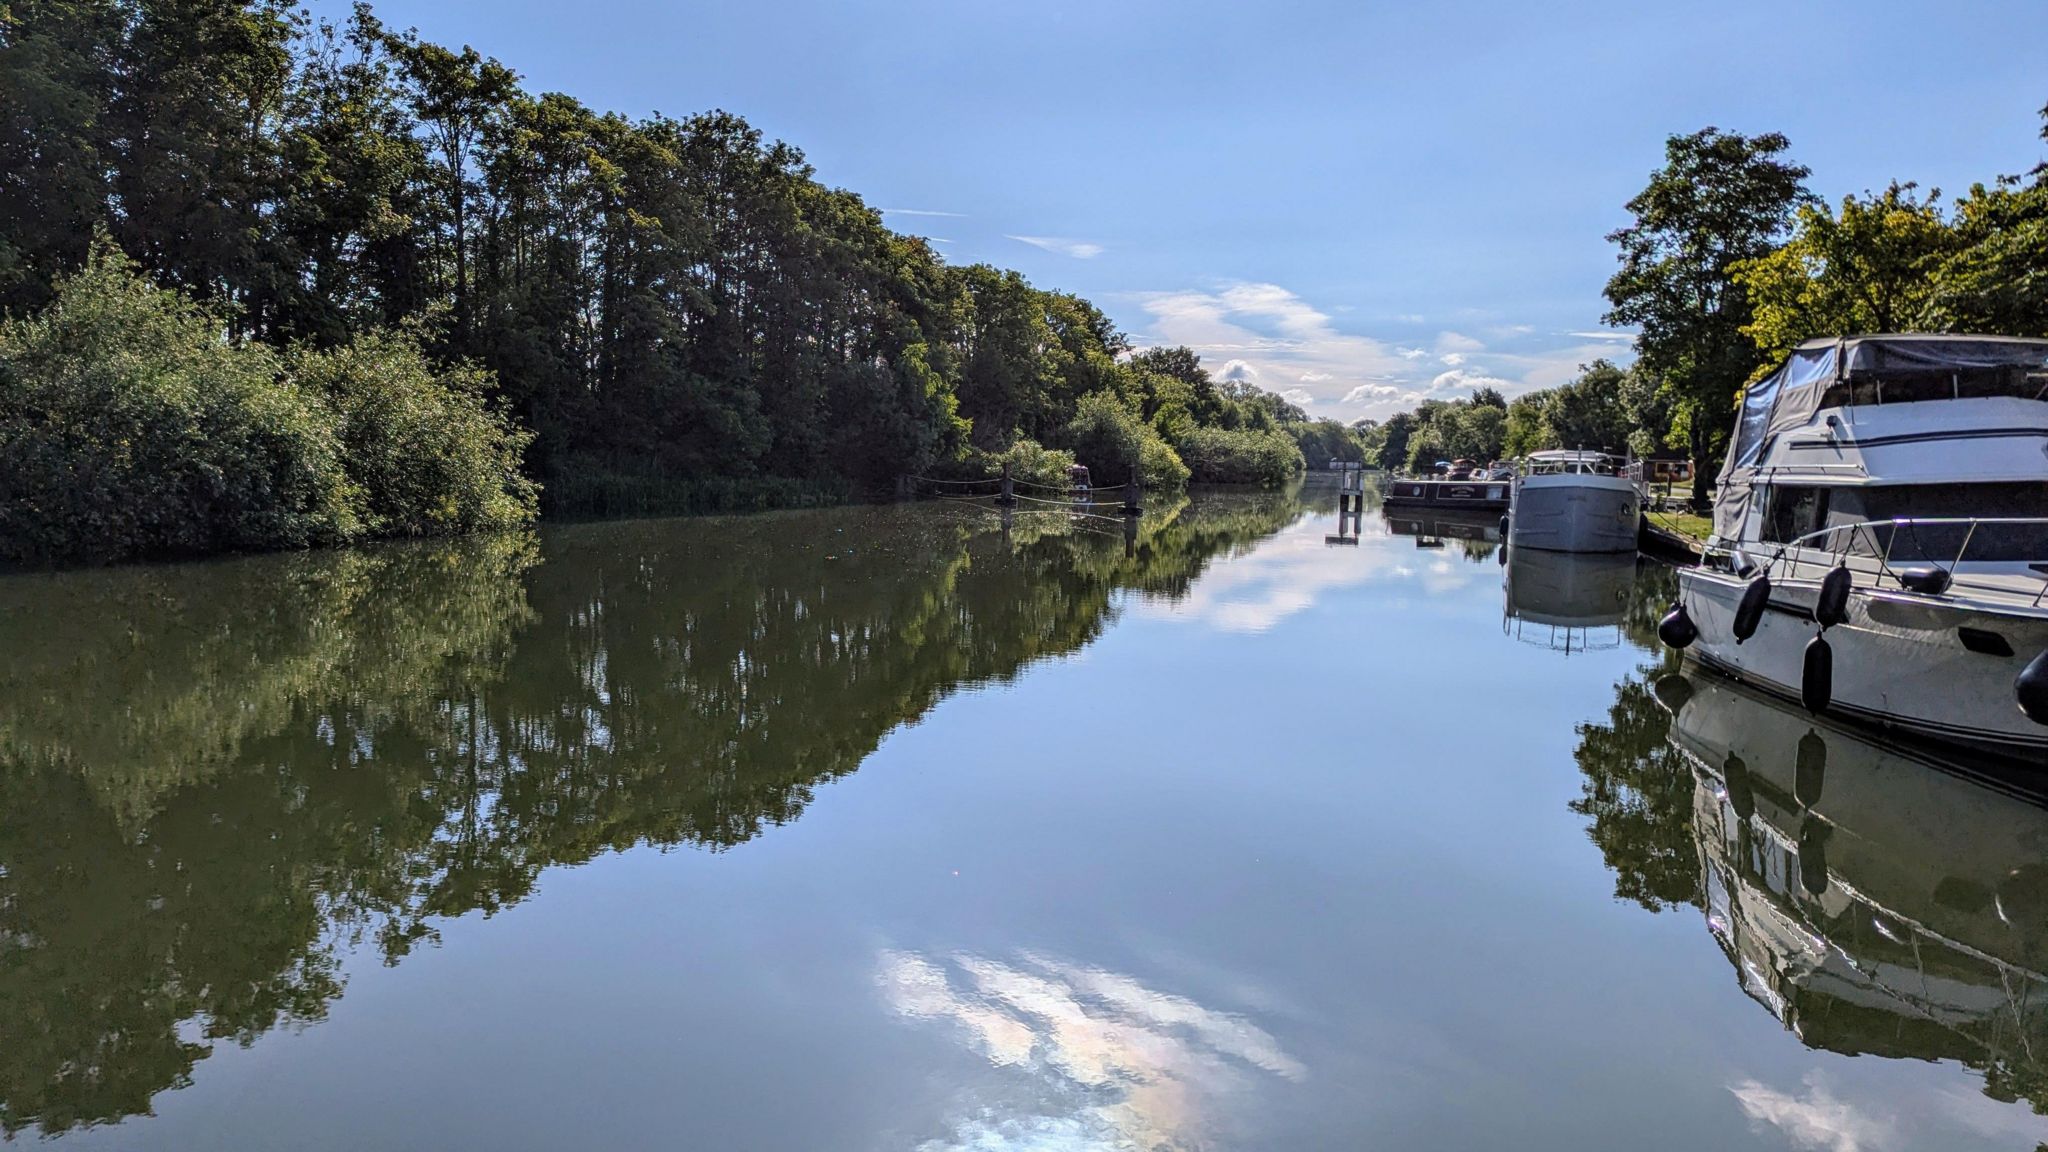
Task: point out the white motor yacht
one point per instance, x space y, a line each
1880 543
1570 501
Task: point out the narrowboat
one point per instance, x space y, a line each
1475 495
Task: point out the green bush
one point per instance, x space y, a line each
1031 462
426 454
1240 456
1109 437
131 426
1160 467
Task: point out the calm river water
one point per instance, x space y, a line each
890 829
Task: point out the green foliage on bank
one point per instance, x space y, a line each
1241 456
131 426
1109 434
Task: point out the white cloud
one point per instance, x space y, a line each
1300 397
920 212
1459 383
1060 245
1606 335
1372 393
1816 1120
1266 334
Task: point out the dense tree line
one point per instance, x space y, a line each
1729 263
678 311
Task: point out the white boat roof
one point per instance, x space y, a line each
1826 373
1569 455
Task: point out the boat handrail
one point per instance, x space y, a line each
1847 534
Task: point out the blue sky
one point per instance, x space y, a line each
1354 204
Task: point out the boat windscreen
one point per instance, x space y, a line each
1943 543
1914 385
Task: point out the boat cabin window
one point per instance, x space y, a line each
1909 387
1795 510
1572 467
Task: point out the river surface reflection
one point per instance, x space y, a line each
907 828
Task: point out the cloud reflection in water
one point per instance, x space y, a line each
1288 573
1117 1065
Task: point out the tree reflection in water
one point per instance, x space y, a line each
217 780
1875 899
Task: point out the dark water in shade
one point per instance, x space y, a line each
885 829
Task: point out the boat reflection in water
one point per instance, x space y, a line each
1477 533
1873 900
1568 601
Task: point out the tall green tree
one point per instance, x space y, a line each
1588 412
1996 279
355 190
455 97
1869 267
57 79
1526 430
1720 199
200 90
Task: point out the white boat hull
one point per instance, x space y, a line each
1575 514
1899 660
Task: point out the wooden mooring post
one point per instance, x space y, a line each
1131 492
1007 498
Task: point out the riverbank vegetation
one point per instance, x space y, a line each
130 426
652 315
1728 264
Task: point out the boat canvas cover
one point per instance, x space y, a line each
1789 397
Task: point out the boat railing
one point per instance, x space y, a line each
1837 542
